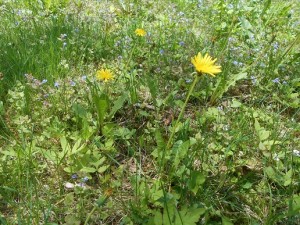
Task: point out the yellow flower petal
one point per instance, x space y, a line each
140 32
104 74
205 64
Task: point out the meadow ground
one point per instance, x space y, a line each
149 112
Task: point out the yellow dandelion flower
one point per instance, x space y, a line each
140 32
205 64
104 74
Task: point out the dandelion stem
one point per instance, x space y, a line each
169 143
89 215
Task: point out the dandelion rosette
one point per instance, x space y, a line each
140 32
205 64
104 74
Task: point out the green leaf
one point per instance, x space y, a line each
157 195
196 180
99 162
223 25
101 200
180 149
224 85
169 214
226 221
88 170
77 147
274 175
72 220
159 141
295 200
189 216
245 23
101 103
103 169
158 218
288 178
264 134
79 110
69 199
261 132
247 185
65 149
235 104
1 108
118 104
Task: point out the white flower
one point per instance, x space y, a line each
276 158
296 152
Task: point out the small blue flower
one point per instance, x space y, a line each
262 65
181 43
284 82
56 84
85 179
235 63
117 43
74 176
275 45
220 108
44 81
80 184
181 13
230 6
276 80
253 80
72 83
161 52
63 36
83 78
188 81
64 44
200 3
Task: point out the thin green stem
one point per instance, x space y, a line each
90 214
169 143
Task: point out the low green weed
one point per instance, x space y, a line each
108 115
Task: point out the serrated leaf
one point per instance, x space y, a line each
288 178
159 140
99 162
180 150
77 148
103 169
88 170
